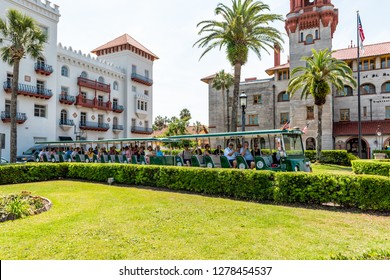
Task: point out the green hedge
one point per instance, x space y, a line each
340 157
373 167
387 152
364 191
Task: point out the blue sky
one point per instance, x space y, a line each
168 29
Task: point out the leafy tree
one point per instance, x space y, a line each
159 123
21 36
198 127
243 27
185 114
223 81
315 79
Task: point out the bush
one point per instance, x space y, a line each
373 167
386 152
340 157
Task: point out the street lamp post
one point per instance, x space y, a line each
243 102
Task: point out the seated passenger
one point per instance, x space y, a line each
256 151
159 153
244 151
198 151
218 151
186 155
207 151
230 154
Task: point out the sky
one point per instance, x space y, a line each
168 29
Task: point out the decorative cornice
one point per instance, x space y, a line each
43 8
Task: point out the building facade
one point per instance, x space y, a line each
67 94
311 24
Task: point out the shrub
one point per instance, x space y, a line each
340 157
373 167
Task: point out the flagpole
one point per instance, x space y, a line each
358 89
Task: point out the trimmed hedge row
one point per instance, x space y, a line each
365 192
340 157
373 167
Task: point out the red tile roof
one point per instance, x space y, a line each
369 51
368 128
125 39
271 71
208 78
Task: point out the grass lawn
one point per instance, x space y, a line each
331 169
96 221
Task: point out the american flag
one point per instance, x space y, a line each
304 130
361 32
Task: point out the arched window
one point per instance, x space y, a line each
348 91
386 87
115 85
367 89
65 71
283 96
84 74
41 61
64 117
310 143
309 39
101 79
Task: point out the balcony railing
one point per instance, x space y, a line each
141 130
66 122
84 82
6 117
117 127
93 103
97 126
67 99
28 90
44 69
118 108
141 79
103 105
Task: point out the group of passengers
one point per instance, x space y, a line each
230 152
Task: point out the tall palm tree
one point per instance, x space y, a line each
315 79
243 27
21 36
223 81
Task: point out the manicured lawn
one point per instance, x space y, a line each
95 221
332 169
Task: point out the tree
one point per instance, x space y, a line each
243 27
198 126
185 114
159 123
315 79
223 81
23 37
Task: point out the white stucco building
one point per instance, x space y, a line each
67 94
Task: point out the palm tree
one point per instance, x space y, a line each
221 82
315 79
185 114
23 37
243 27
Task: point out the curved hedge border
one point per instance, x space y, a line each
364 191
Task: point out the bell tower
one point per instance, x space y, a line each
310 24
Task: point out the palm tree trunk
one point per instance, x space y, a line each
237 77
14 96
227 111
319 132
223 106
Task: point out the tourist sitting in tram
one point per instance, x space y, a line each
218 151
158 152
256 151
230 154
186 154
244 151
207 150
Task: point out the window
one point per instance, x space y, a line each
257 99
283 96
40 86
365 111
386 87
283 75
115 122
39 111
64 117
133 69
41 61
10 78
253 120
310 143
101 79
142 106
387 112
348 91
310 112
133 88
100 100
84 74
367 89
147 74
309 39
45 30
64 71
284 117
146 106
7 106
64 90
83 118
84 96
100 120
367 64
385 62
133 122
344 115
115 85
146 92
317 36
301 38
350 64
114 103
146 124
